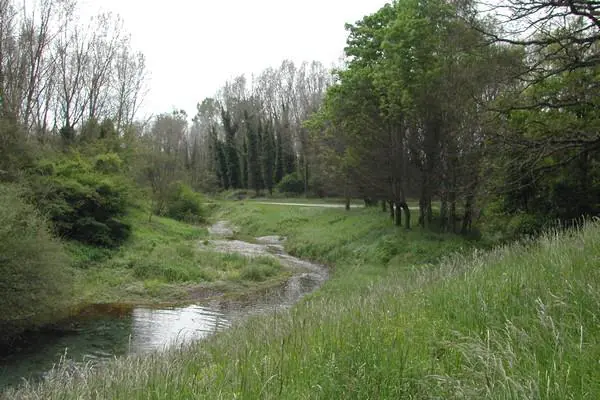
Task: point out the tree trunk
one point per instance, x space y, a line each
429 212
453 212
444 212
305 177
347 203
468 218
398 216
406 214
422 211
383 206
392 215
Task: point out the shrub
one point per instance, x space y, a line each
83 203
184 204
34 282
291 183
109 163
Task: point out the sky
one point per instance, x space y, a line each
193 47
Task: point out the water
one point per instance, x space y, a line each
103 332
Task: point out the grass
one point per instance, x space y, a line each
405 315
164 262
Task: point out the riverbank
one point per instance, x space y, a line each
399 318
101 332
164 262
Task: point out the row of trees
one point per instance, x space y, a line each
250 135
57 72
436 102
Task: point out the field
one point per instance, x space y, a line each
406 314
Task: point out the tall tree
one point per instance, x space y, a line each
268 157
254 175
231 153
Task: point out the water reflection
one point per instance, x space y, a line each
158 329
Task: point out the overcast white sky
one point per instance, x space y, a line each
193 47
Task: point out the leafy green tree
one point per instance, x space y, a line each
268 157
254 175
220 160
231 153
291 184
279 163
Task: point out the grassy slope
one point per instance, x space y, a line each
163 263
516 322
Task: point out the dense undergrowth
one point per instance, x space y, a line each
28 256
519 321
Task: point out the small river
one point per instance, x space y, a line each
103 332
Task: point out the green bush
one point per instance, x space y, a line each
291 183
109 163
522 224
34 282
184 204
83 201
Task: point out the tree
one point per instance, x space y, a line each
400 131
268 157
279 169
254 175
231 153
547 135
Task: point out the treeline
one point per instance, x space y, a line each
57 72
439 101
251 134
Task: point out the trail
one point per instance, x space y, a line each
321 205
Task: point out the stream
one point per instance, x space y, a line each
103 332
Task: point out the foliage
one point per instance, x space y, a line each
292 184
254 176
183 204
84 199
34 278
389 129
551 131
15 152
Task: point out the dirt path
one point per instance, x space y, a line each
322 205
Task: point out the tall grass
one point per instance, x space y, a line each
516 322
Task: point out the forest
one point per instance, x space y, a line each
485 115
